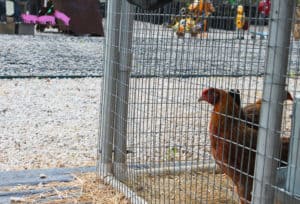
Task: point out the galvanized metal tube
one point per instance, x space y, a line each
126 26
109 90
173 170
271 113
293 174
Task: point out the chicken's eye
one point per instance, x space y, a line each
214 97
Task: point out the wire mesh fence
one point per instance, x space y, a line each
157 138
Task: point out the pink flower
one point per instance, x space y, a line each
61 16
46 20
30 19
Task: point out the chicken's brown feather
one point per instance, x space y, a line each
234 141
251 112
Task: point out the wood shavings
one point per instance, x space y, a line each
90 190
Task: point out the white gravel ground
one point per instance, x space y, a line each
46 123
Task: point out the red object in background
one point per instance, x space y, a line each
246 25
264 7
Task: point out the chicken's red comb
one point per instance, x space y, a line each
206 90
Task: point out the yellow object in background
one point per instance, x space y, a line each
189 24
240 17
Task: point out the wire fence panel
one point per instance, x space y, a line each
196 88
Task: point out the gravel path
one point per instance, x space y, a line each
48 123
50 55
156 51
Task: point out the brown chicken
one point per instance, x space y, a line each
252 111
236 95
251 114
233 142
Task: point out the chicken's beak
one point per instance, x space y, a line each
201 99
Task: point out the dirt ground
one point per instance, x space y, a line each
197 187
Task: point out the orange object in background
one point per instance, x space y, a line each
201 5
181 28
197 6
202 8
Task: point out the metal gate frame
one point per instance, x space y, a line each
118 60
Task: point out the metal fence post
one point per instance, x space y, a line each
109 87
293 174
126 26
271 113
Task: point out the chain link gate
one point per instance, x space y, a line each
154 140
